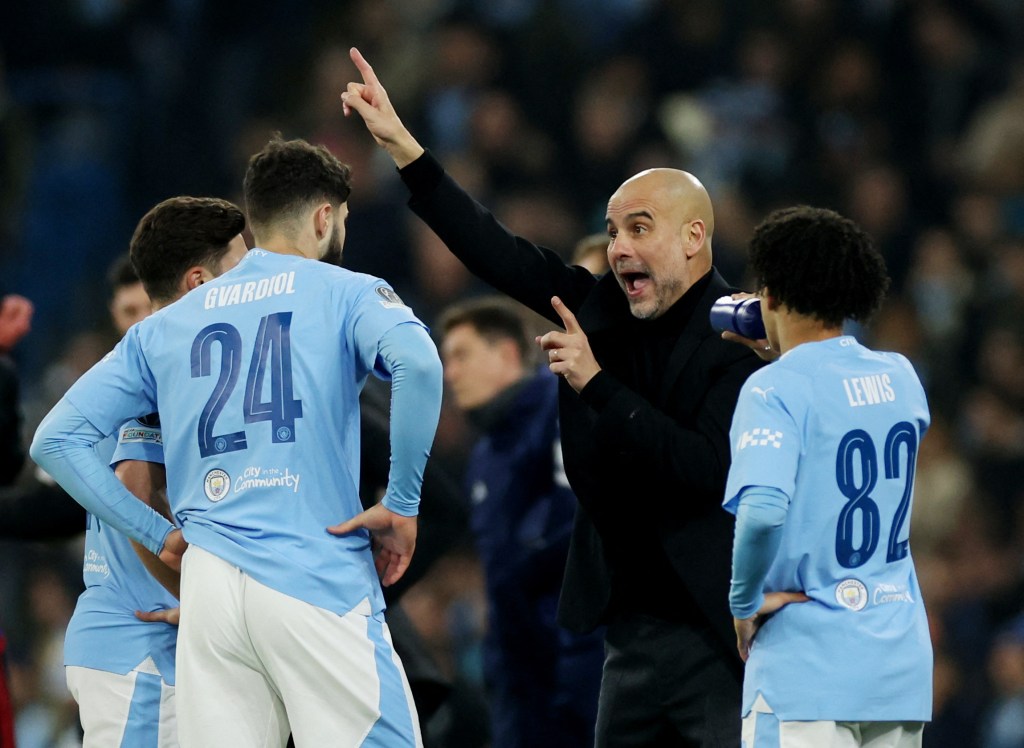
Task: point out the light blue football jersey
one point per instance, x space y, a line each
104 633
256 376
837 427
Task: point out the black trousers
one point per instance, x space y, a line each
667 685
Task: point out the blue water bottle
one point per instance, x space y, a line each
741 316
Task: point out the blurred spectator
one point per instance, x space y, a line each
992 152
591 252
941 287
1004 721
542 681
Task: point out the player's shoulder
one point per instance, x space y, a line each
898 361
779 384
891 362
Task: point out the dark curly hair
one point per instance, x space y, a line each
819 264
287 175
179 233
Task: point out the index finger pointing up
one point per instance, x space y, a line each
568 318
369 77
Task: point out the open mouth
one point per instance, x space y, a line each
635 282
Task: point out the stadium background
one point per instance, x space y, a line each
907 115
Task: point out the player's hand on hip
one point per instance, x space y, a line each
174 548
393 537
165 615
370 101
747 628
569 354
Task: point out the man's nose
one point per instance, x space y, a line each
619 249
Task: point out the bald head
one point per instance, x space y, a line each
660 223
679 192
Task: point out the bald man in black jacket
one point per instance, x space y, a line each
646 401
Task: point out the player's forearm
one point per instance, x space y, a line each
759 526
411 358
63 447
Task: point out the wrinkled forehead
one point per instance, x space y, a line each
642 196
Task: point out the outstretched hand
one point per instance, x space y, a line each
174 548
370 101
393 537
747 628
569 353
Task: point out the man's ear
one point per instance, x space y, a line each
322 220
694 234
195 276
770 302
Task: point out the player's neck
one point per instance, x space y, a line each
286 245
796 329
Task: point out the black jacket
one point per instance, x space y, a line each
646 473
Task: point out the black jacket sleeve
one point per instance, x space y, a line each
513 265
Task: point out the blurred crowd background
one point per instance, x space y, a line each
907 115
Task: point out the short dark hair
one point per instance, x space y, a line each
179 233
819 264
121 274
289 174
493 318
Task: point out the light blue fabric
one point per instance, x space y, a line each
395 727
142 729
104 633
759 521
256 376
407 353
836 427
64 447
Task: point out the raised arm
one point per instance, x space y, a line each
512 264
371 102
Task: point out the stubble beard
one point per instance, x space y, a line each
660 302
334 249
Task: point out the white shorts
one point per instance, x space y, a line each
124 711
254 664
762 729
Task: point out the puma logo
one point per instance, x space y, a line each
762 393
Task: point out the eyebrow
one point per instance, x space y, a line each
631 216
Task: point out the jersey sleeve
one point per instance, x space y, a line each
115 389
408 354
376 309
765 442
139 439
119 387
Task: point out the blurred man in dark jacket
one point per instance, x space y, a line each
542 680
